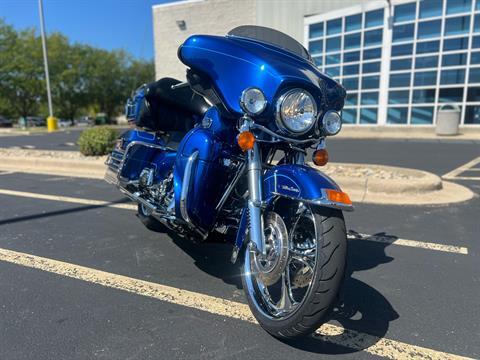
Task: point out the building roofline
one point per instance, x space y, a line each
175 3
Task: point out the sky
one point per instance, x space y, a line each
108 24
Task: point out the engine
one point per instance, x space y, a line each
160 194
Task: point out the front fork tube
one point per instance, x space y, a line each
255 199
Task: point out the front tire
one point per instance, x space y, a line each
286 315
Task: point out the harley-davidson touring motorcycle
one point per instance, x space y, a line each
253 110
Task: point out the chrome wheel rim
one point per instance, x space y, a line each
285 296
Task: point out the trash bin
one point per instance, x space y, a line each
448 119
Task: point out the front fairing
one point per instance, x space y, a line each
234 64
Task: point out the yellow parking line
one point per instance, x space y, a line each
334 334
411 243
453 174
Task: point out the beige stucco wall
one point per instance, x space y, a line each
201 17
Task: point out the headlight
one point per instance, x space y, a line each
253 101
296 111
332 122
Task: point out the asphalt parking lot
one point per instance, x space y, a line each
402 299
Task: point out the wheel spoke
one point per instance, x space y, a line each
285 303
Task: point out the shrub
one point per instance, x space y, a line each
97 141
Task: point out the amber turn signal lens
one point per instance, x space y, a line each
246 140
320 157
338 197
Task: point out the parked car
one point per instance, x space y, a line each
65 123
84 121
36 121
5 123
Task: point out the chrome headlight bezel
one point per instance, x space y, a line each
280 120
244 103
328 117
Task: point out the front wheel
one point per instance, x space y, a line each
291 291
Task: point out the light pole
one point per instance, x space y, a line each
51 121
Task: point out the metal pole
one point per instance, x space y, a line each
45 57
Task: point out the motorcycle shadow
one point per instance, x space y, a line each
363 312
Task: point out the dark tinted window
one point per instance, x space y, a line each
428 47
426 62
405 12
400 80
458 6
422 115
452 76
374 18
454 59
397 115
403 32
398 97
368 116
334 26
455 44
371 54
430 8
372 37
370 82
400 50
450 95
353 22
351 56
370 98
473 94
371 67
457 25
333 44
316 30
422 96
425 78
402 64
349 116
351 69
429 29
352 41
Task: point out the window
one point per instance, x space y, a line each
476 26
349 116
333 44
352 41
332 59
353 22
372 54
400 80
316 47
430 8
370 82
352 99
475 58
398 97
370 98
402 64
351 70
454 59
428 47
374 18
450 95
316 30
457 25
400 50
317 61
403 32
455 44
452 77
429 29
426 62
371 67
474 76
397 115
368 116
351 83
372 37
334 26
472 114
351 56
477 5
421 115
333 71
405 12
458 6
424 78
423 96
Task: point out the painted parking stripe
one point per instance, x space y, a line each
393 240
453 175
331 333
355 236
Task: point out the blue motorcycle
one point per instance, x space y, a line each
254 104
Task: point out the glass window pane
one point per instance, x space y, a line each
405 12
472 115
370 82
458 6
372 37
368 116
430 8
374 18
316 30
351 69
398 97
315 47
476 42
350 83
473 94
332 59
475 58
402 32
477 5
452 77
352 41
421 115
454 59
474 76
349 116
455 44
333 44
450 95
426 62
372 54
371 67
402 64
400 80
476 26
397 115
423 96
334 26
428 47
370 98
400 50
351 56
318 61
352 99
333 71
425 78
429 29
457 25
353 22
